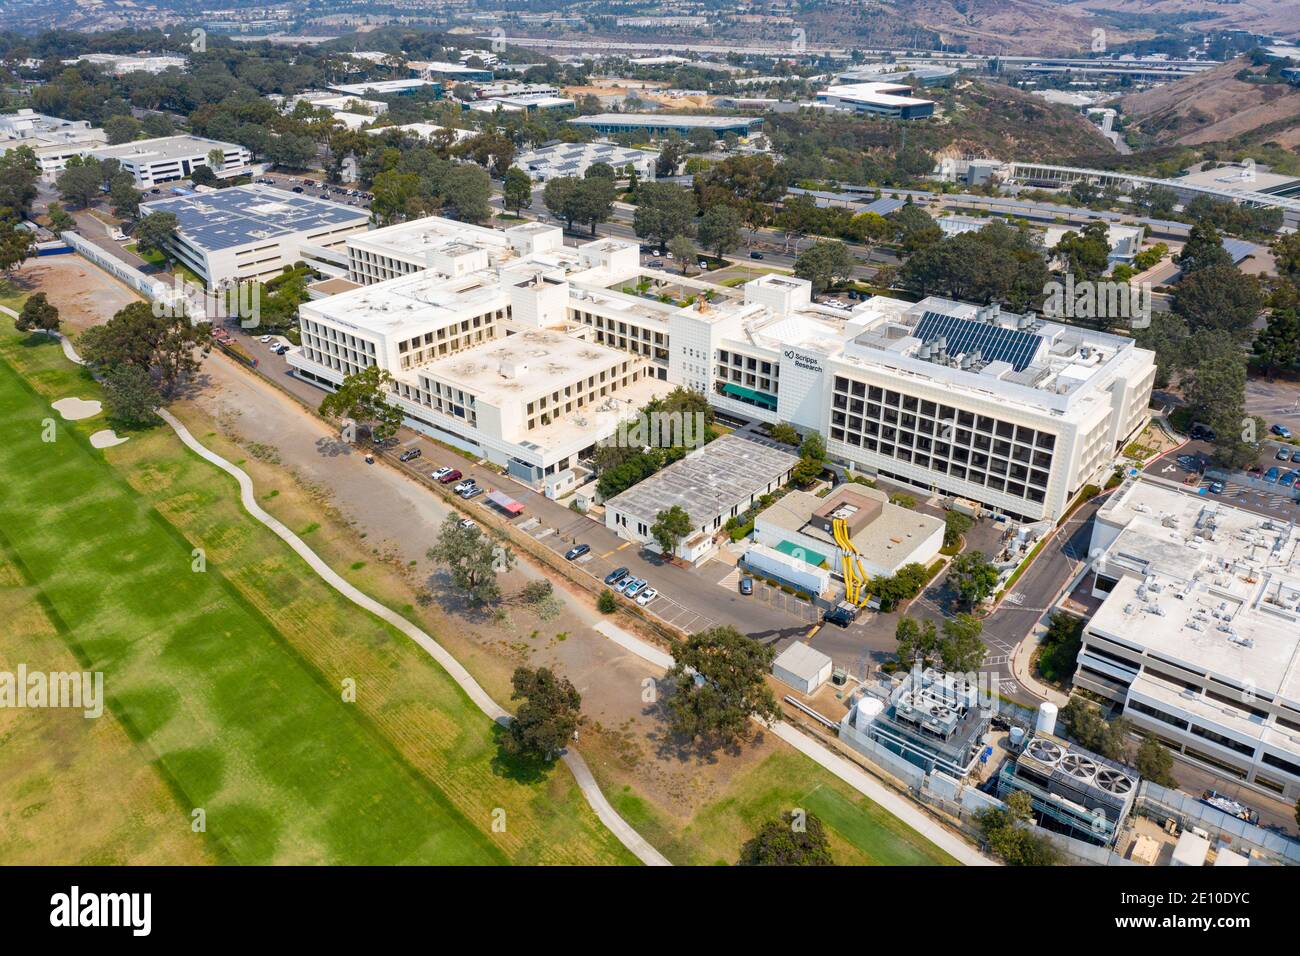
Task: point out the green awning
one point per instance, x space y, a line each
803 554
750 395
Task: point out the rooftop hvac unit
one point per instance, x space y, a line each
1113 781
1078 766
1045 751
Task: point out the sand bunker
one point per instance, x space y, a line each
75 409
106 438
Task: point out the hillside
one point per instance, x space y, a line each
987 118
1216 106
1012 26
1276 17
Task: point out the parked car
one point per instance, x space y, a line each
467 524
1280 430
264 339
473 491
655 263
450 476
624 584
1283 454
756 255
746 585
440 473
1271 474
465 485
1287 480
839 615
636 587
618 574
577 551
410 454
646 596
1216 487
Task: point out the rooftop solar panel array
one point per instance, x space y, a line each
994 342
243 214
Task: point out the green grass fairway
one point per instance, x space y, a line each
860 832
228 680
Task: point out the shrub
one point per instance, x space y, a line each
606 604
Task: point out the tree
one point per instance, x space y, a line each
60 219
601 171
701 140
20 170
955 524
670 157
16 245
363 398
1085 254
793 840
605 603
961 650
125 198
548 716
918 641
38 313
467 191
1218 298
472 559
1277 345
683 251
824 264
663 211
670 526
1203 249
812 457
1059 649
1154 761
79 183
558 197
720 230
1084 723
154 232
1009 835
131 395
516 190
121 129
593 200
972 577
785 433
398 195
719 679
914 228
168 345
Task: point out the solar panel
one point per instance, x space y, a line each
994 342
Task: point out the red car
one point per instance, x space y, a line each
451 476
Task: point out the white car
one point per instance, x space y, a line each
264 339
646 596
118 235
440 473
467 524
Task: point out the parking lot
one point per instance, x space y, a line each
1193 466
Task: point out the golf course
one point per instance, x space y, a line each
257 716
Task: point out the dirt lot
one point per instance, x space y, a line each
83 294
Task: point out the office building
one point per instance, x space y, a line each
1198 635
882 99
53 140
574 159
170 158
656 125
252 232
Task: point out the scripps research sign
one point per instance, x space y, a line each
808 363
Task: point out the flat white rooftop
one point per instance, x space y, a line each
1217 588
163 148
882 94
411 302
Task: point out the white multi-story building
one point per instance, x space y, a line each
121 63
53 140
574 159
1198 635
252 232
170 158
953 399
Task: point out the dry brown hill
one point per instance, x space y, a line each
1215 106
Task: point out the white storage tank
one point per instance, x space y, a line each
869 708
1046 718
1017 736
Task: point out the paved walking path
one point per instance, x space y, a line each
860 781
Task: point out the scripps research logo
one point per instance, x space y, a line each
1099 301
808 363
241 300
